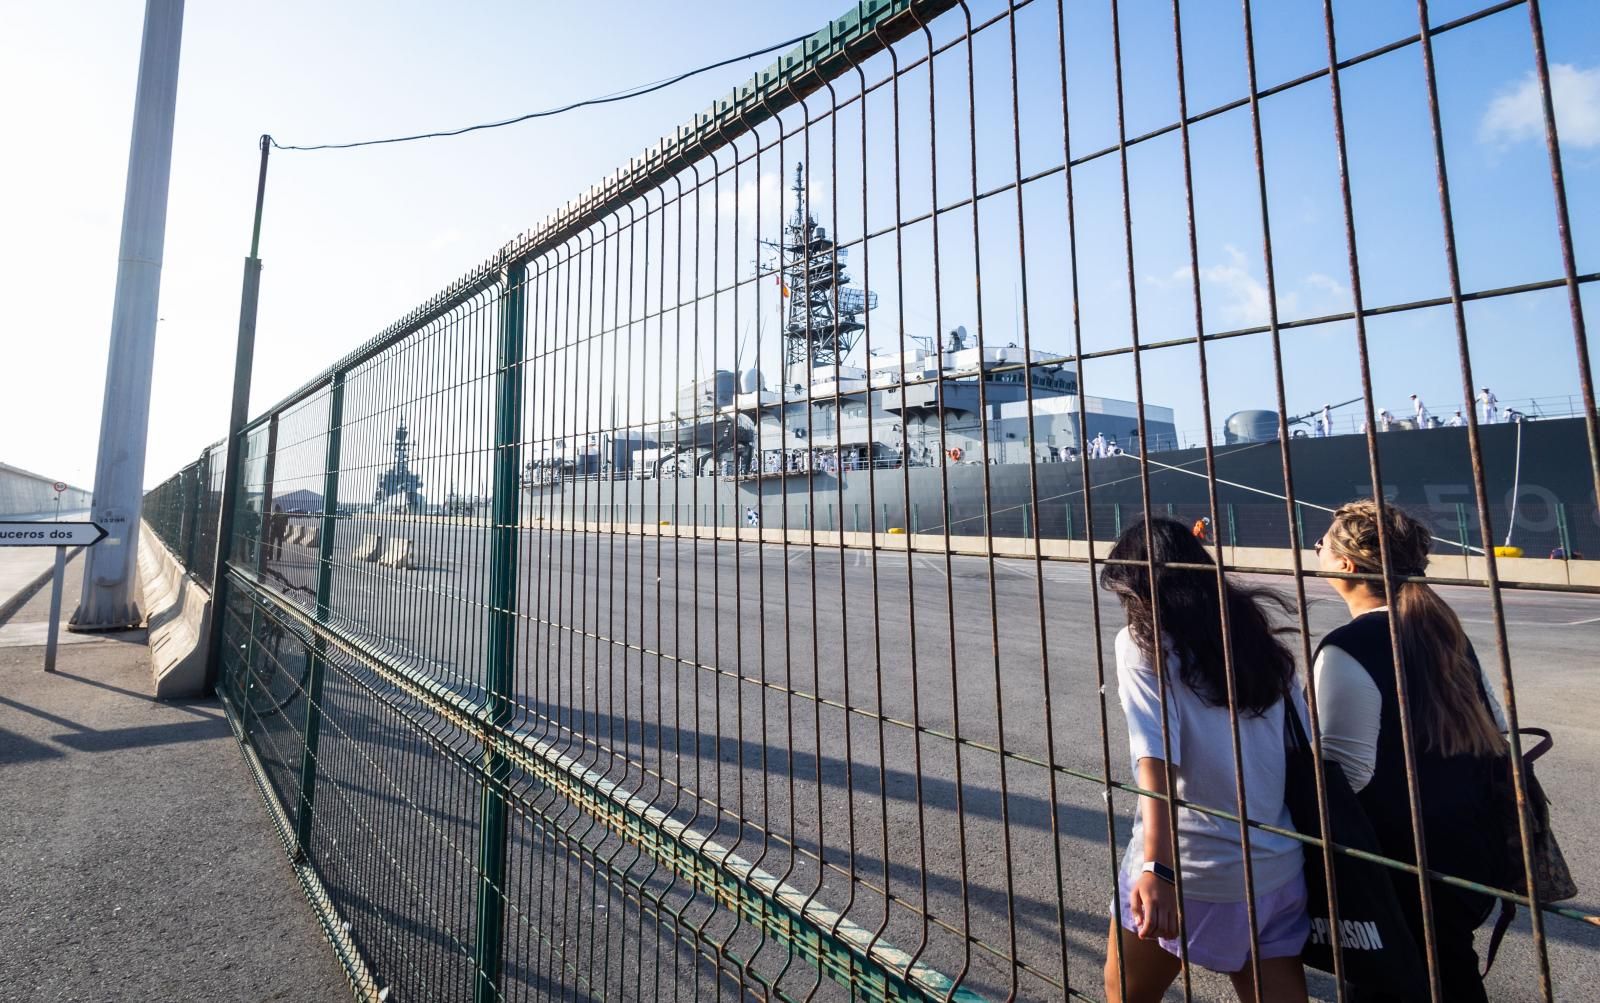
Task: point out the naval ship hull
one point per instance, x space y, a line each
1429 472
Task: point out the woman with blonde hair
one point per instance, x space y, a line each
1455 727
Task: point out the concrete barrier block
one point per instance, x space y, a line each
1539 570
310 536
368 548
178 612
1583 572
398 552
155 587
178 653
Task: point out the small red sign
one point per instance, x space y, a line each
60 486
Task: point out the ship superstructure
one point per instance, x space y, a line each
933 432
933 402
399 488
933 399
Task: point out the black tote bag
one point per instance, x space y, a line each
1379 948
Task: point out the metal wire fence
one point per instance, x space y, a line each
182 511
662 611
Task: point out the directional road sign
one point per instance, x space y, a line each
50 534
59 535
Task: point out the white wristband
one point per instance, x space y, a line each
1160 870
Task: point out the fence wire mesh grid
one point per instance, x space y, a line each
666 612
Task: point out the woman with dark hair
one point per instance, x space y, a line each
1186 672
1455 726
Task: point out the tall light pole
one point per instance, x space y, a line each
110 568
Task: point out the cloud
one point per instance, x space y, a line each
1243 297
1328 284
1517 112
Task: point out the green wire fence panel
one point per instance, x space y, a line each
180 511
697 600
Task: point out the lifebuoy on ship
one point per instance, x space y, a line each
955 454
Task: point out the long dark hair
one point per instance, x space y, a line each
1442 674
1191 616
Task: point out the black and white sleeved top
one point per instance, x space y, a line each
1349 708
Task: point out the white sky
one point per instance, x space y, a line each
351 240
354 239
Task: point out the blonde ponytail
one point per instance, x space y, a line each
1442 677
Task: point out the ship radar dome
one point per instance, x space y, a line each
1251 426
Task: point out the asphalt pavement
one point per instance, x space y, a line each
919 743
138 857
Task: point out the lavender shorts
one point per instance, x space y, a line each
1219 932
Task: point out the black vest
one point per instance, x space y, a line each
1459 820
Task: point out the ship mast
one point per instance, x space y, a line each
399 479
402 452
821 327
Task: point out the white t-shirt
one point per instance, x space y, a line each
1209 850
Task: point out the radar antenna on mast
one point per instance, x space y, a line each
821 327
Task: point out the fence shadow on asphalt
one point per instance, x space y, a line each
16 749
207 723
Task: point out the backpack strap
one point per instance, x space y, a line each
1502 923
1508 909
1544 745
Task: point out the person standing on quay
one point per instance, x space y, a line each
1456 723
277 532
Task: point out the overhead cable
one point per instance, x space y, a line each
625 95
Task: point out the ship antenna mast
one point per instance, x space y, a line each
822 325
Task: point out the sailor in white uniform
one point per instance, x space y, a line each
1458 421
1327 421
1422 411
1490 406
1385 420
1097 446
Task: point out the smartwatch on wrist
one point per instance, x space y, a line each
1160 870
